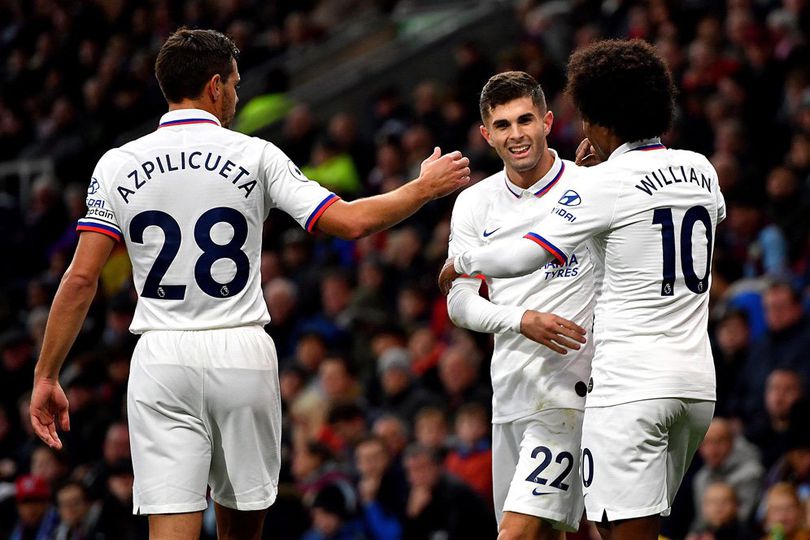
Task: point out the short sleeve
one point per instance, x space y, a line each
463 233
586 209
721 205
289 190
100 216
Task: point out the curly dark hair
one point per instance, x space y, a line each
189 58
623 86
507 86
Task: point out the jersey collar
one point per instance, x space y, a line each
183 117
642 145
541 187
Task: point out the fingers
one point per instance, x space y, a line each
437 152
45 429
64 420
570 329
446 276
553 346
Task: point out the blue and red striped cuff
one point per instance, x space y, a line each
319 210
548 246
108 231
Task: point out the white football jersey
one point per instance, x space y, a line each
652 213
526 376
189 200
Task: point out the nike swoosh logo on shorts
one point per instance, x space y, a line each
535 492
490 233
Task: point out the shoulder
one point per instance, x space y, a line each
481 191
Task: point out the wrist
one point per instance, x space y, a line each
45 375
419 191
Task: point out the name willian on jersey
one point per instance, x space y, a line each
660 178
180 161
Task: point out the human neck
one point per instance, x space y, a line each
200 104
526 179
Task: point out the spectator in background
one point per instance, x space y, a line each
402 394
731 460
461 379
333 167
78 516
719 509
470 459
440 506
38 519
794 466
334 516
784 345
393 431
784 514
50 465
730 351
382 490
430 428
768 431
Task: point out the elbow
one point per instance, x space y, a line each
356 230
454 311
79 283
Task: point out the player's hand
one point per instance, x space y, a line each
440 175
49 406
586 154
551 331
447 276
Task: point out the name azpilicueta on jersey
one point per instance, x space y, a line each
168 163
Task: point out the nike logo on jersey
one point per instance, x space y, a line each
487 233
535 492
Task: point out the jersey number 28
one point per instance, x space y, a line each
211 252
663 217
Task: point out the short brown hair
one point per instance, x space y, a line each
189 59
507 86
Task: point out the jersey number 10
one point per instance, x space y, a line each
211 252
663 217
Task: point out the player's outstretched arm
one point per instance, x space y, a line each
509 258
49 405
440 175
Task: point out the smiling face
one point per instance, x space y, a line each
517 131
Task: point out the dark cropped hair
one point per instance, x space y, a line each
507 86
189 59
623 86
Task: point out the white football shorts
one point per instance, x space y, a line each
634 455
535 467
204 410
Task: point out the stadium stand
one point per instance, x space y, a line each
359 91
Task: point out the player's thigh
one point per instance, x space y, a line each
626 458
546 482
243 409
506 439
171 449
685 436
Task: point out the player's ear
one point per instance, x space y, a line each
548 121
485 134
215 87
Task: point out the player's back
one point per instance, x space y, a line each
190 200
651 319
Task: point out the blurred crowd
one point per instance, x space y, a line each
386 404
